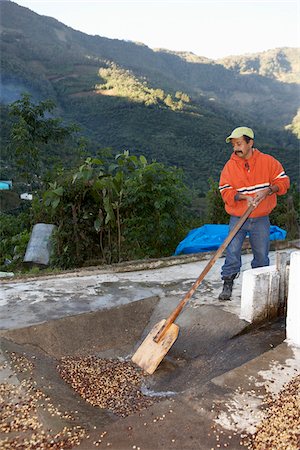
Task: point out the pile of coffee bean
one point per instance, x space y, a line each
22 405
108 383
280 429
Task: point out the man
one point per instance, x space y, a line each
250 177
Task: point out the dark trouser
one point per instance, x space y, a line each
258 229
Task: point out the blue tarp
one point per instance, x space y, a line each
5 185
210 237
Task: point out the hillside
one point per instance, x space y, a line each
282 64
171 106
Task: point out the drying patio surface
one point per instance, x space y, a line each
67 379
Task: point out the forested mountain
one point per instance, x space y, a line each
282 64
174 107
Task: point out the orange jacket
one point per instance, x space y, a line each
248 177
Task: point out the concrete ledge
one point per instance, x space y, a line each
260 293
113 330
293 305
134 265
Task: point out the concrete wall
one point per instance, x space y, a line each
293 304
260 294
267 290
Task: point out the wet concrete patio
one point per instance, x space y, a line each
36 300
216 363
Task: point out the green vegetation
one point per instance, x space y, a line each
156 211
215 206
30 132
14 237
122 83
287 212
116 212
282 64
106 210
295 125
104 213
171 109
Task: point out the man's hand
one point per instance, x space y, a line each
251 201
260 196
254 201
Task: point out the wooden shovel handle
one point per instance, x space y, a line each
207 268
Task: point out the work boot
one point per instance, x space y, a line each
227 287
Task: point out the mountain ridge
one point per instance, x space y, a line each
144 110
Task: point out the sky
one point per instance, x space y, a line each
214 29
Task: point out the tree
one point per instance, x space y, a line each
155 210
287 212
215 206
125 210
32 130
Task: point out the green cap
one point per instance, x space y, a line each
239 132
